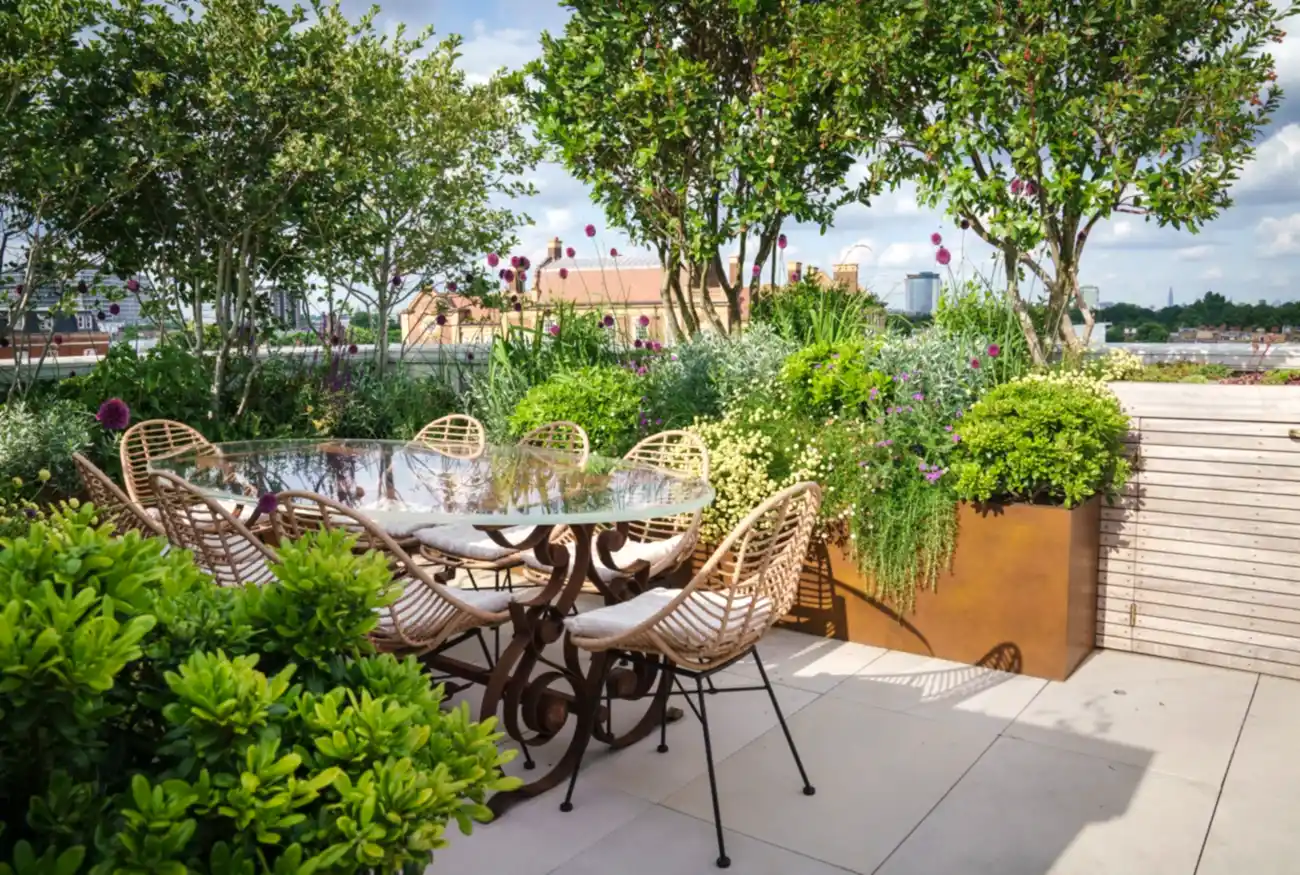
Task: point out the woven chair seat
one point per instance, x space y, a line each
659 555
711 614
469 543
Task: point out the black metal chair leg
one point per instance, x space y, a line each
587 720
472 582
723 860
482 642
808 788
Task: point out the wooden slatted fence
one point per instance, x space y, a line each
1200 558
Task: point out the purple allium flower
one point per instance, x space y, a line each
564 273
82 287
114 309
266 504
441 319
469 356
608 321
613 253
758 268
935 238
918 397
643 321
994 350
133 285
569 252
796 276
965 224
590 230
101 315
638 344
510 275
352 349
501 274
943 256
656 346
493 259
974 363
72 373
519 308
555 330
1030 189
1017 186
524 262
780 241
114 415
451 287
397 280
514 261
58 339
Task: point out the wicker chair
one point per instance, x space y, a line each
428 615
716 620
457 435
469 549
149 440
222 544
657 546
114 505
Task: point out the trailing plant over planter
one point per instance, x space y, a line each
1055 439
154 722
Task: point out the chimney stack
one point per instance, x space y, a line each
796 271
554 250
847 275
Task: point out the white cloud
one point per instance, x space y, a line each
906 255
1194 253
1280 236
558 220
486 51
1273 172
1212 273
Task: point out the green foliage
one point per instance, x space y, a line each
153 722
950 370
825 379
1177 372
36 446
1045 440
1211 310
1151 332
605 401
979 312
1281 377
809 313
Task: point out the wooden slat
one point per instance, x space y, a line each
1282 648
1225 455
1120 584
1276 443
1182 561
1204 615
1125 563
1248 428
1212 496
1232 547
1122 516
1211 510
1220 475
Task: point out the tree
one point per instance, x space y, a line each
699 124
1115 334
1035 120
427 180
1152 332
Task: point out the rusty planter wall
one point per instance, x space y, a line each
1021 594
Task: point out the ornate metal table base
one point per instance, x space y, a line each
541 694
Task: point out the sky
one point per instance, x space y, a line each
1251 252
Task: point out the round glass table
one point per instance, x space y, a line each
404 488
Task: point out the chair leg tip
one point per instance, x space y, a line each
810 790
663 748
724 862
530 765
566 807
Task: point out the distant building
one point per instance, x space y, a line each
1091 296
920 291
1170 301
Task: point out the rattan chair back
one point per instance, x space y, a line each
149 440
222 545
568 438
457 435
112 504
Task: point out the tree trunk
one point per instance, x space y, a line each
672 331
1012 260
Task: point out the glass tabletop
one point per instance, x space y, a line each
404 487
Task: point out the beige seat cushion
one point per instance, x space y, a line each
656 553
704 610
468 542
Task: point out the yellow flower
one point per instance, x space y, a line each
43 475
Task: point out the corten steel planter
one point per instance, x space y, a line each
1020 596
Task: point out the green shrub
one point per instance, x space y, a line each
153 722
606 401
825 379
950 369
1177 372
703 376
36 438
1045 440
807 312
1281 377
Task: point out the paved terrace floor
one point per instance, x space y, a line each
923 767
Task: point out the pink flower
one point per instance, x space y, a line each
974 363
524 262
58 339
644 321
114 415
780 242
1030 189
994 350
1017 186
266 504
943 256
758 268
493 259
555 330
956 439
451 287
114 309
133 285
638 344
656 346
590 230
564 273
514 261
935 238
613 253
569 252
796 276
510 275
